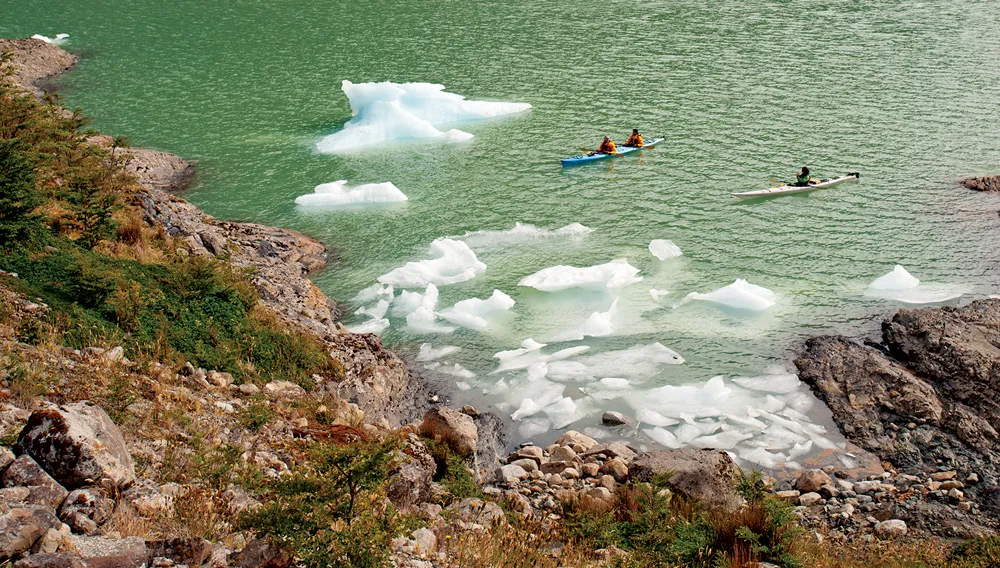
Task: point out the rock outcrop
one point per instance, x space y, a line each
705 475
986 183
78 445
35 61
926 399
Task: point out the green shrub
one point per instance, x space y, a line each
451 472
332 511
19 224
977 553
256 416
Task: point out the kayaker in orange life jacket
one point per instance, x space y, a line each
606 147
635 139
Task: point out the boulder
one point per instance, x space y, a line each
612 418
84 510
261 553
426 541
617 468
811 480
986 183
510 473
702 474
78 445
103 551
528 452
453 428
893 528
571 437
21 528
612 450
284 389
190 551
410 482
42 489
472 510
47 560
809 499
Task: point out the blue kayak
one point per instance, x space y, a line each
622 150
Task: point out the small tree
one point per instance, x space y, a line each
18 196
333 512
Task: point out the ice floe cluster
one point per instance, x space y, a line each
391 112
613 275
338 194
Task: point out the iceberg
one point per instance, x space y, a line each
424 321
613 275
530 354
472 313
740 295
453 262
370 326
388 112
522 233
636 362
663 249
337 194
597 325
58 40
901 286
408 302
374 292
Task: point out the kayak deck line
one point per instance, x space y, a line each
786 189
622 150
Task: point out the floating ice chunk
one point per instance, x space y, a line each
653 418
423 320
760 457
723 440
463 386
385 112
408 302
781 384
901 286
685 400
375 312
337 194
533 427
527 408
453 262
657 294
597 325
562 413
530 354
740 295
472 313
663 249
522 233
457 370
615 383
374 292
613 275
538 371
59 39
898 279
635 363
371 326
663 437
429 353
800 449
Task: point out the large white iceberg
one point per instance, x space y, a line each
664 249
741 295
522 233
898 279
613 275
453 262
472 313
337 194
386 112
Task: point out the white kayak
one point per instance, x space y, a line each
786 189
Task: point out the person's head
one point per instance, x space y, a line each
635 131
805 171
607 139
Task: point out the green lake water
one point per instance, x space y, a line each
906 92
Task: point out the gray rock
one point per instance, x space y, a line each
892 528
190 551
46 560
571 437
809 499
102 549
261 553
425 540
705 475
284 389
85 510
612 450
410 482
450 427
42 489
511 473
78 445
811 480
21 528
612 418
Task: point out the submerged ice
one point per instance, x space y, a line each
664 249
522 233
337 194
387 112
